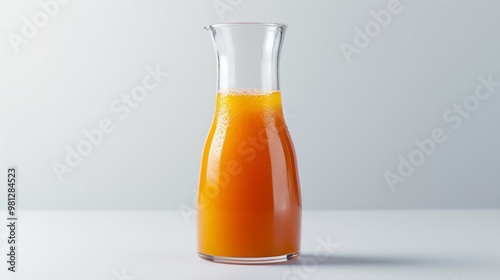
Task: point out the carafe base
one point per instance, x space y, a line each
251 260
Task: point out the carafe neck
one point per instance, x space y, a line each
247 55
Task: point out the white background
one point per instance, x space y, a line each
349 121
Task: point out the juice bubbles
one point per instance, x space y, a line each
249 202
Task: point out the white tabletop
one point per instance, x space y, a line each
430 245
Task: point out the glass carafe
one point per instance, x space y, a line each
249 204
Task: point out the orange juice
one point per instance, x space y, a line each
249 203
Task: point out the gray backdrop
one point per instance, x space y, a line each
391 104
